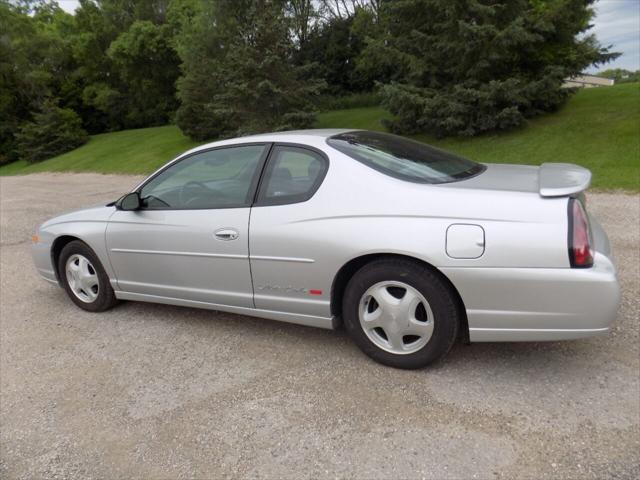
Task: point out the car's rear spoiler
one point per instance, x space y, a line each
562 179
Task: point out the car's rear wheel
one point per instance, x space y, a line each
84 278
401 313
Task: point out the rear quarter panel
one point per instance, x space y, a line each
359 211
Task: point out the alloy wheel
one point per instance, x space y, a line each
82 278
396 317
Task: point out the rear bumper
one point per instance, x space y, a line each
538 304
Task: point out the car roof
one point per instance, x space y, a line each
313 137
312 132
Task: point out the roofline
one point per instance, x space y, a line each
310 134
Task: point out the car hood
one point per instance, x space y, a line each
93 214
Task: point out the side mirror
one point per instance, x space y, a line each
131 201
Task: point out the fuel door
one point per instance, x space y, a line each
465 241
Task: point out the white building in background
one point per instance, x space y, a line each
588 81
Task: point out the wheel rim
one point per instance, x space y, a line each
396 317
82 278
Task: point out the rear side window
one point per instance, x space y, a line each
405 159
293 175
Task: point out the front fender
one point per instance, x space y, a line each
89 226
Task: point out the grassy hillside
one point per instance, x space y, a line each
129 151
598 128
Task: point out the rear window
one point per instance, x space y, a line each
405 159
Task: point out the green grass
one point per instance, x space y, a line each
598 128
129 151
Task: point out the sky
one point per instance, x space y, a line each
617 23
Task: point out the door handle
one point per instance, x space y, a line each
227 234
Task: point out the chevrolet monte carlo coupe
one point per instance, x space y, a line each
409 247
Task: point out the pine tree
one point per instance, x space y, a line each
468 66
53 131
238 74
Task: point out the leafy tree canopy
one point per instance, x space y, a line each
620 75
227 67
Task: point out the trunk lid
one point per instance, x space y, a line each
548 180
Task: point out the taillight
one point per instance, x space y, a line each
580 253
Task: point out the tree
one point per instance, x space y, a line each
302 14
465 67
53 131
332 49
35 62
620 75
333 45
343 9
113 62
148 66
238 74
127 63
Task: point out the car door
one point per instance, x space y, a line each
285 247
189 240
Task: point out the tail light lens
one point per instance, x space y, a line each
580 253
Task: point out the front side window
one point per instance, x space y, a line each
402 158
219 178
293 174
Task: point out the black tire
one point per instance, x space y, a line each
106 298
435 290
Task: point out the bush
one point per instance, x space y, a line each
467 110
53 131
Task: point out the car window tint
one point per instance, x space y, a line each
403 158
293 175
220 178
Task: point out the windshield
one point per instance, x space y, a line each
403 158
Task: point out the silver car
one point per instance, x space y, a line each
409 247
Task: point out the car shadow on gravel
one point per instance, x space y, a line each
336 346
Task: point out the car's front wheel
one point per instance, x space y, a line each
400 313
84 278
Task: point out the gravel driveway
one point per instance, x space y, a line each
150 391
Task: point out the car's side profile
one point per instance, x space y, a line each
409 246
